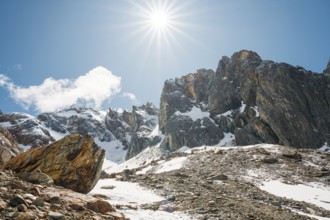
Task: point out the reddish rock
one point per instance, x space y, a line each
74 162
100 206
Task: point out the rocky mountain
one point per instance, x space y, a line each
26 129
246 101
121 133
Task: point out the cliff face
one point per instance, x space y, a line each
250 100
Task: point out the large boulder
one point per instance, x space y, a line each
8 146
74 162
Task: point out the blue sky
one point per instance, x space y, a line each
49 50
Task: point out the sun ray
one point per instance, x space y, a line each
158 29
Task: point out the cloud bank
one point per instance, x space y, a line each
91 89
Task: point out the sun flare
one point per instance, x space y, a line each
159 19
160 26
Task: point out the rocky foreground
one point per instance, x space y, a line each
225 184
32 183
21 200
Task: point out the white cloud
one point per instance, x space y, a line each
4 80
92 89
129 95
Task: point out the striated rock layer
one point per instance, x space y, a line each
74 162
253 100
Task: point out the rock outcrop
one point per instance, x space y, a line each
253 100
73 162
144 130
8 146
26 201
181 128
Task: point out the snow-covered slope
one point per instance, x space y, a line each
121 133
265 180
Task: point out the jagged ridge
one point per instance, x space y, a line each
253 100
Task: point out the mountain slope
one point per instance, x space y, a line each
261 181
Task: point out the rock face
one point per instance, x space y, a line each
251 100
8 146
183 114
143 123
73 162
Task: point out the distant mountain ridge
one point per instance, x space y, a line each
122 134
245 101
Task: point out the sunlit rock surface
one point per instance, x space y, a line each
73 162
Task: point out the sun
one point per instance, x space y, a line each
159 27
159 19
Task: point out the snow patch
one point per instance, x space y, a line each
195 113
255 108
144 170
143 158
107 164
309 215
5 124
155 132
56 135
227 141
314 193
183 149
125 193
24 147
242 108
114 150
227 113
174 164
152 215
325 148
